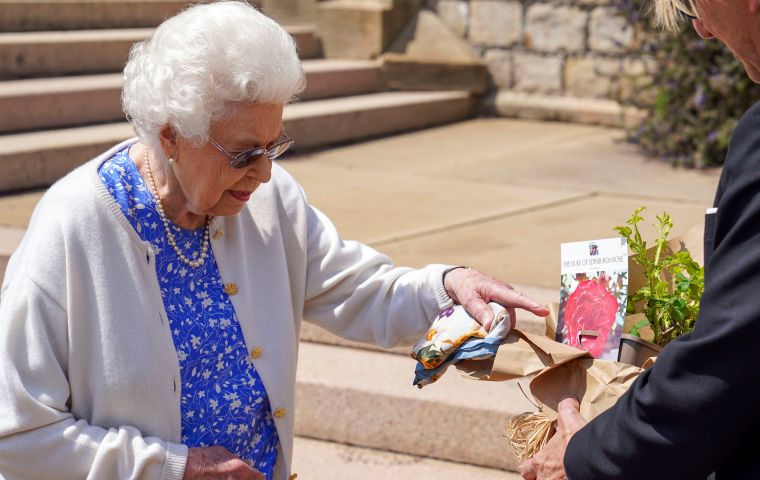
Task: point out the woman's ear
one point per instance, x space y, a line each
169 141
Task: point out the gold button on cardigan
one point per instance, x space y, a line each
256 352
231 289
280 412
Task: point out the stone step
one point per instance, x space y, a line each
563 108
370 402
16 209
324 123
37 15
10 237
361 28
61 102
37 159
43 54
40 158
306 39
329 78
79 52
320 460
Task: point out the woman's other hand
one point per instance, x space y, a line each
214 463
474 290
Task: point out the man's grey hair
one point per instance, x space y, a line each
668 13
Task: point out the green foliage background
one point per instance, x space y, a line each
697 94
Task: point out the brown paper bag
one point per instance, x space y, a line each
597 384
521 354
561 370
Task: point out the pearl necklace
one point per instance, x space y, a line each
169 235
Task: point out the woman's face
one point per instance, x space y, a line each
209 184
735 23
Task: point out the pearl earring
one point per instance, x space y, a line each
172 162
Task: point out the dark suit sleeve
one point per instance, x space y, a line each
685 416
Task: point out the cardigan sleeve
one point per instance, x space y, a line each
39 436
697 406
355 292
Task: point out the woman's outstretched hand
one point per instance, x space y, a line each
473 290
217 463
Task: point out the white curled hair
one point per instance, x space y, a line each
201 63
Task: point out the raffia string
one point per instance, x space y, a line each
528 433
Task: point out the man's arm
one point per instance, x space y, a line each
685 416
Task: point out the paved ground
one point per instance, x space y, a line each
499 195
324 460
495 194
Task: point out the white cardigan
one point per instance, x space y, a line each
89 377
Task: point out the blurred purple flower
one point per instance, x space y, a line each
699 97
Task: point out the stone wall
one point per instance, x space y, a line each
579 48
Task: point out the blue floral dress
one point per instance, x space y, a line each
224 401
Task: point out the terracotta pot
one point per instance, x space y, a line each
635 351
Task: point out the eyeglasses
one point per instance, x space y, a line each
244 158
686 7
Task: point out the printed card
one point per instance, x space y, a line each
593 295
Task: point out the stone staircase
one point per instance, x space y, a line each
59 94
60 86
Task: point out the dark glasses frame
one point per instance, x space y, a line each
244 158
684 6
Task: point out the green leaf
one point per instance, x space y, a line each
638 326
675 282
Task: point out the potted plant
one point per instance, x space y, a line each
666 303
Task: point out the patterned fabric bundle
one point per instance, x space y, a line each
455 336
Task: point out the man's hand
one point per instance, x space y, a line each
548 464
473 290
217 463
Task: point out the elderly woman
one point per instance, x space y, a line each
695 412
150 319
